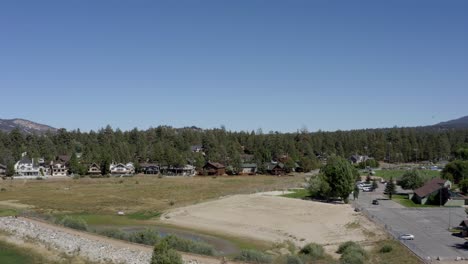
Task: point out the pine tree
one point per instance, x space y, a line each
390 189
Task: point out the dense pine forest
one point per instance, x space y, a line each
171 146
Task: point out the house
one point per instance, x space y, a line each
94 169
149 168
248 169
122 169
214 168
196 148
2 170
247 158
58 168
436 191
464 228
27 167
356 159
65 159
275 168
187 170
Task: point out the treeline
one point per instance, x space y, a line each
171 146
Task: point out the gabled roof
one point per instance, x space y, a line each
25 160
271 166
63 158
94 165
2 166
464 223
215 164
430 187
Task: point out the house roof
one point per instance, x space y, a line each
63 158
430 187
249 165
464 223
148 165
271 166
25 160
94 165
2 166
215 164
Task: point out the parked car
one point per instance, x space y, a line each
366 189
407 237
375 202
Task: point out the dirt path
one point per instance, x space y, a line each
122 244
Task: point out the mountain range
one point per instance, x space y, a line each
25 126
30 127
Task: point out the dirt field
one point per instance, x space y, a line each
272 218
135 194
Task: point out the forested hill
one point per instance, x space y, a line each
166 145
456 123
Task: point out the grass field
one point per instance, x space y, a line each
398 255
396 174
405 201
139 197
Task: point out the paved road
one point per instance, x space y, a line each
428 225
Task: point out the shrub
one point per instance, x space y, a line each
342 248
352 257
253 256
39 178
190 246
313 250
147 237
386 249
75 223
293 260
114 233
163 254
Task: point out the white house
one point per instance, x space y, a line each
27 167
122 169
58 169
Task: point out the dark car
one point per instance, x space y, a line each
376 202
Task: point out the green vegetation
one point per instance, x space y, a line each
390 189
456 171
411 180
313 251
397 174
253 256
398 254
351 253
404 200
163 254
298 194
336 180
73 222
151 237
8 212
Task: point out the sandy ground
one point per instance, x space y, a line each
277 219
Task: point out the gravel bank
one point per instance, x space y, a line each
73 243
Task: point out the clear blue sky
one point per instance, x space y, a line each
275 65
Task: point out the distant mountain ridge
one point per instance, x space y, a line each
461 122
25 126
30 127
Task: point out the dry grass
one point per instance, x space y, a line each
109 195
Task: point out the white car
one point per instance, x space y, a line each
366 189
407 237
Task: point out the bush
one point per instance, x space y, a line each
313 250
39 178
253 256
163 254
75 223
293 260
342 248
189 246
114 233
147 237
352 257
386 249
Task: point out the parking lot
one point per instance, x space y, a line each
428 225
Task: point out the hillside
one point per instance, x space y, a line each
455 123
25 126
